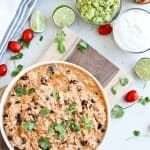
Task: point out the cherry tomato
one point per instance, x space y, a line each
27 35
105 29
14 46
131 96
3 69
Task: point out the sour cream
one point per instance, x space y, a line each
132 30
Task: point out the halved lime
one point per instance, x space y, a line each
37 22
142 69
63 16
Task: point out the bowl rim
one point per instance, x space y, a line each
13 82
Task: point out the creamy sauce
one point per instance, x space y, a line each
132 31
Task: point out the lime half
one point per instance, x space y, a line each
142 69
63 16
37 22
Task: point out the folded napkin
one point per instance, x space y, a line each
8 10
15 20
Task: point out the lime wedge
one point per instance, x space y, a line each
37 22
63 16
142 69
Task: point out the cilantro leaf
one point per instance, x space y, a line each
17 70
18 56
136 133
29 125
74 127
144 101
113 90
123 81
20 91
71 108
60 38
83 46
31 91
23 43
56 95
88 124
117 111
60 129
44 111
44 143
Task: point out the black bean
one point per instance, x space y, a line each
47 98
35 117
9 104
79 89
99 126
103 130
90 106
73 81
29 109
84 102
68 71
98 141
5 115
52 69
66 102
84 143
43 81
52 111
23 140
9 138
16 148
64 142
17 102
12 94
25 77
19 119
93 101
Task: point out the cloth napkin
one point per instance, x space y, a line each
8 9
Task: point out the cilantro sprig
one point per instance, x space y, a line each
44 143
83 46
119 111
17 70
122 82
29 125
60 39
137 133
71 109
17 56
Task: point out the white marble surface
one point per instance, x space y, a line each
136 117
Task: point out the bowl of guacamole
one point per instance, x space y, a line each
98 12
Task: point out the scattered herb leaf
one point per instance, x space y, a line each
31 91
88 124
136 133
113 90
29 125
144 100
41 38
71 108
17 70
20 91
44 143
56 95
60 38
18 56
60 129
117 111
44 111
23 43
123 81
83 46
74 127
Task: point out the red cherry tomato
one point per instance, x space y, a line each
14 46
3 69
27 35
131 96
105 29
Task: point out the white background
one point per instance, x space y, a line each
137 117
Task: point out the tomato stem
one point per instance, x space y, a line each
130 106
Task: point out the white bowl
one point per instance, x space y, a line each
10 86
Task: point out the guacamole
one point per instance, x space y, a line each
97 11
